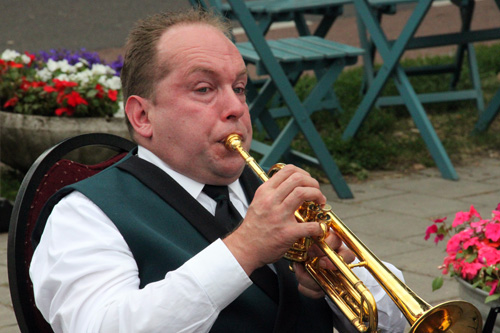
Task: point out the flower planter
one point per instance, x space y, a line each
24 137
476 297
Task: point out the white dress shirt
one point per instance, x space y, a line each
85 278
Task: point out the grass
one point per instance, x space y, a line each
388 139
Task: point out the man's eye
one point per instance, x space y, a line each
240 90
202 90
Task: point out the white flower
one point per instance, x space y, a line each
82 77
63 77
26 59
100 69
52 65
84 62
10 55
61 65
65 67
44 74
113 83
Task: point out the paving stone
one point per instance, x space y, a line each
7 317
444 188
418 205
388 224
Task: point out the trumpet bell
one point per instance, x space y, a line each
450 317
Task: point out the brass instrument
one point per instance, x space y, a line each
348 292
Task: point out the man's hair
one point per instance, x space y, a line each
141 67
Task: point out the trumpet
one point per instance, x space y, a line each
344 288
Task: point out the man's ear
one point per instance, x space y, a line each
137 110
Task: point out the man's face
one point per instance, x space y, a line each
199 103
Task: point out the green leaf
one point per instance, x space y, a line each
491 298
471 258
437 283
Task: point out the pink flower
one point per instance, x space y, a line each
462 217
453 245
474 241
493 285
489 255
473 248
432 229
492 231
438 238
470 270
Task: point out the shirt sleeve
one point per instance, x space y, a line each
390 318
85 279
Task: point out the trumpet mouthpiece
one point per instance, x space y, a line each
233 141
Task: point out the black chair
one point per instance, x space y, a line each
489 324
48 174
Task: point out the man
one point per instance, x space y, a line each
134 248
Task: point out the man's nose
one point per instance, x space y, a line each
234 105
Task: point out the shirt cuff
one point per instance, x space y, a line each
219 274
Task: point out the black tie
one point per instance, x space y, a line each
225 213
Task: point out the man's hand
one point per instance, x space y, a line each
307 286
270 227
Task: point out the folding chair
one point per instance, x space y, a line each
49 173
466 11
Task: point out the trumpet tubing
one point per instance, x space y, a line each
349 293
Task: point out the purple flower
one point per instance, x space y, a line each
74 57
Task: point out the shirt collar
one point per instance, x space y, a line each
193 187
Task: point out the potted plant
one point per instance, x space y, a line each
49 96
472 256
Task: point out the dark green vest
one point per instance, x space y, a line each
162 239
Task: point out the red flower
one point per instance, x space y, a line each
74 99
49 89
14 64
100 91
112 95
26 85
11 102
31 56
61 111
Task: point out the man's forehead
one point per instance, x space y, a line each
190 33
195 46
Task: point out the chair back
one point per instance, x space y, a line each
49 173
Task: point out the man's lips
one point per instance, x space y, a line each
223 140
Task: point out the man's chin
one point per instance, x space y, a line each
232 172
